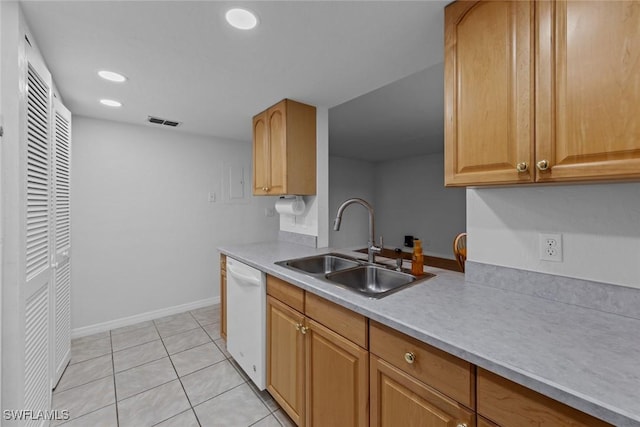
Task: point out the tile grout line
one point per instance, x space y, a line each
179 379
220 394
111 353
115 390
251 387
82 416
167 382
137 366
264 418
180 332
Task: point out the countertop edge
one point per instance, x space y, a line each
579 401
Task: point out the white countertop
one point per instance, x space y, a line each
585 358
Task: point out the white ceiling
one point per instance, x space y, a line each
185 63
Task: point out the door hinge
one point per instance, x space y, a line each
1 131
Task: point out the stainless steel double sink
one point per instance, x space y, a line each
372 280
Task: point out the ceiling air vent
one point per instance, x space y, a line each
160 121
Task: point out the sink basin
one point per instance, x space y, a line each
320 264
372 280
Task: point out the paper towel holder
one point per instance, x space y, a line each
290 205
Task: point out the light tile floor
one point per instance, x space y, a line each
173 371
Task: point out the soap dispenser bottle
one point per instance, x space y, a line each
417 260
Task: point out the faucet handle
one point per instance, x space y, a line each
381 242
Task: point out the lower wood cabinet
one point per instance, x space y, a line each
397 399
512 405
337 379
483 422
329 366
319 377
285 358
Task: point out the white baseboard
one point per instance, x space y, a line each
143 317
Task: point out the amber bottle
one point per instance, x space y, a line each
417 260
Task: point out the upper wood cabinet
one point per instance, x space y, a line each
488 92
284 150
543 91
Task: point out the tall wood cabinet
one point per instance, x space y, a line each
543 91
317 374
284 150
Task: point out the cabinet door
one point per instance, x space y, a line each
337 382
488 92
260 154
588 111
285 358
277 126
398 399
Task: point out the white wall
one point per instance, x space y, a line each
600 226
322 167
411 200
350 178
144 235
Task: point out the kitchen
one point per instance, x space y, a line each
136 257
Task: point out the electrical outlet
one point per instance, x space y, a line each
551 247
212 197
269 211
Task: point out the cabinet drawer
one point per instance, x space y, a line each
442 371
345 322
285 292
510 404
398 399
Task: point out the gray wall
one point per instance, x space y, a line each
350 178
409 198
412 200
144 235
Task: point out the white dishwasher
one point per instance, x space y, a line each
246 319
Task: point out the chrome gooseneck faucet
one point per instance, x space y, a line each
372 249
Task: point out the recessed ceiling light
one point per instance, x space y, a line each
112 76
110 103
241 19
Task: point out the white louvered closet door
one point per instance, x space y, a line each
61 287
37 239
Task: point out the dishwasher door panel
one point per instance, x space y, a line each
246 319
